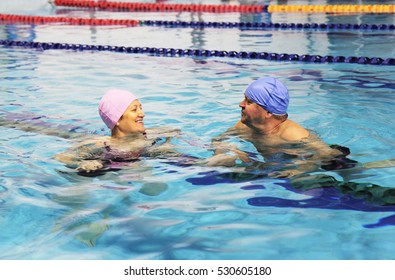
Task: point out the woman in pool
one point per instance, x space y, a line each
123 114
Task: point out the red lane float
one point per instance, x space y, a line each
163 7
76 21
160 7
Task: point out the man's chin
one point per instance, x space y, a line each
245 122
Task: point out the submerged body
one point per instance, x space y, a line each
103 151
288 150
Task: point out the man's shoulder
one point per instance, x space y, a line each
293 131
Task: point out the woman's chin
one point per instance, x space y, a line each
142 129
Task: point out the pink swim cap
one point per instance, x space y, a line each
113 105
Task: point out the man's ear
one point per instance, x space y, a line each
268 114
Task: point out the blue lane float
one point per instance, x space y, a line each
264 26
172 52
12 18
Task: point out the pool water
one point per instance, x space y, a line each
155 209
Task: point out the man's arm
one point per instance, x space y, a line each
225 153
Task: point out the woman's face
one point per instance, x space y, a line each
132 119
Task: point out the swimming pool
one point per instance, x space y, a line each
155 210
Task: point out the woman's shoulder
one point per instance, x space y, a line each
164 131
97 140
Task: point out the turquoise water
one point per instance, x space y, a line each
49 212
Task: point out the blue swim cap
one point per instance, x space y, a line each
269 93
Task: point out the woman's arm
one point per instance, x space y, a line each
84 157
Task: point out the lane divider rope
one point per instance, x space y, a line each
11 18
171 52
331 8
263 26
160 7
70 20
164 7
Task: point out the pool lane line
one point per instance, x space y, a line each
165 7
333 9
11 18
171 52
159 7
270 25
14 18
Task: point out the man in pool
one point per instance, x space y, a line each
122 113
289 150
264 113
264 122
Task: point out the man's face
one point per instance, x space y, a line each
251 113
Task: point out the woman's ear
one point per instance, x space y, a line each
117 124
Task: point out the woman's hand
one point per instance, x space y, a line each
89 165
